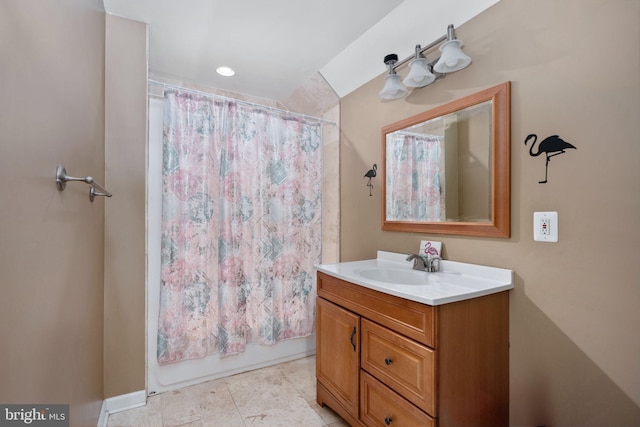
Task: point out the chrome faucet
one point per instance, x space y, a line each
420 262
425 263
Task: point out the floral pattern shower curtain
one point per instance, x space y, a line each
241 227
414 182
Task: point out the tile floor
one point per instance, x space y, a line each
281 395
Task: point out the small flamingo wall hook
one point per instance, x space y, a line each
370 174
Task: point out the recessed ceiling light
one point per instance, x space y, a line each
225 71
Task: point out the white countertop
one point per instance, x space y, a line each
456 281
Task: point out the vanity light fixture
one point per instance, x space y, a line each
392 89
421 72
452 58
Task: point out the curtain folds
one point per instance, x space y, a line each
241 227
413 185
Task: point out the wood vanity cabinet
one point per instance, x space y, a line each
382 360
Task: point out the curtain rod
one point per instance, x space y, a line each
416 134
226 98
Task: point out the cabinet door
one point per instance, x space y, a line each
338 353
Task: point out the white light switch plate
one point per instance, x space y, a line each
545 226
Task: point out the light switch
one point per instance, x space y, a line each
545 226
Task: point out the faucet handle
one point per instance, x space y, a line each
434 264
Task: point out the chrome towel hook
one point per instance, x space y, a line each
62 178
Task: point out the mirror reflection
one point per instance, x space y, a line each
440 169
447 170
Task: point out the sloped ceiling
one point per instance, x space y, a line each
275 46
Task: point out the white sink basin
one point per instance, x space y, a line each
391 273
397 276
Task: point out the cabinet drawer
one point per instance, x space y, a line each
402 364
410 318
381 406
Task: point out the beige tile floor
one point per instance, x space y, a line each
281 395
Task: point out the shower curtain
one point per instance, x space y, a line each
413 177
241 226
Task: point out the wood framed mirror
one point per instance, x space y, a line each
448 170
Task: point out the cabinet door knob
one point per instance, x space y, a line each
387 420
388 361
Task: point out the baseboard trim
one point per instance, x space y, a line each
102 419
121 403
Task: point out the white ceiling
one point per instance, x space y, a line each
275 46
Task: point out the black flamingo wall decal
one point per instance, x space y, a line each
551 146
370 174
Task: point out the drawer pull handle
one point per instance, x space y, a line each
388 361
353 334
388 420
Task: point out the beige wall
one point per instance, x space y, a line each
51 242
125 172
575 72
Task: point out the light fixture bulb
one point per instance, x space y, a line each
452 58
419 74
393 88
225 71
